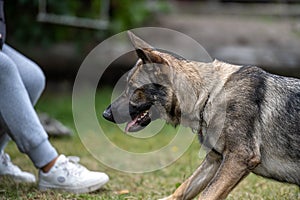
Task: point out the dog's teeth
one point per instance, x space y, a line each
142 115
145 113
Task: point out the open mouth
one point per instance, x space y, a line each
139 122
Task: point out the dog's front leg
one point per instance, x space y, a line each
233 169
200 178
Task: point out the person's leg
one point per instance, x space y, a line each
19 117
32 76
21 122
34 81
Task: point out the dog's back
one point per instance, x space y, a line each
275 104
280 130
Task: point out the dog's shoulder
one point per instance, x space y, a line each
249 83
248 74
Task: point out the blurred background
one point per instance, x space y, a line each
58 35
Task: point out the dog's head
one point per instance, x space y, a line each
148 95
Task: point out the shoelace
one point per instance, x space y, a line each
71 166
5 159
73 159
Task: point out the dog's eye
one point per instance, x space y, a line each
138 98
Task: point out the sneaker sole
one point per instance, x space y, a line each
78 190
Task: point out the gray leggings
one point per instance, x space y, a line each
21 84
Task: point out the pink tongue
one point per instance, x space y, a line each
130 124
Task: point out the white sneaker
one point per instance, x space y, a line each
68 175
7 168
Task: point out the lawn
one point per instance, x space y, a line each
122 185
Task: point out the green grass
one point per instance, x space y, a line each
135 186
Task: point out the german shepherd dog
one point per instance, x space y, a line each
260 131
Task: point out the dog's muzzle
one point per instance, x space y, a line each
117 112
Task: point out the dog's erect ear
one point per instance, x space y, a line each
138 43
145 50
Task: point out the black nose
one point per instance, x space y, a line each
107 114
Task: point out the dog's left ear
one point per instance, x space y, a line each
144 50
